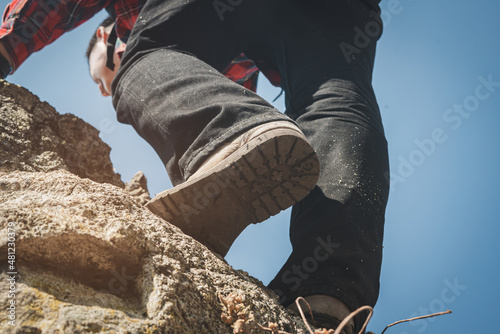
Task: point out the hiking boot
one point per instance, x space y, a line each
260 173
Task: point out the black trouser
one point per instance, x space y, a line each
169 88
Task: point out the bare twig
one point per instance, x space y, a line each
297 301
416 318
273 328
241 319
352 315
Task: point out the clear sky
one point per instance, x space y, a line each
437 78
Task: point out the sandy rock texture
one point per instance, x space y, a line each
35 137
89 257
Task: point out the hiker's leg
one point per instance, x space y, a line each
170 89
337 230
169 86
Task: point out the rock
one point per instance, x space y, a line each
138 187
34 137
86 257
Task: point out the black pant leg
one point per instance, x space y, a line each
336 231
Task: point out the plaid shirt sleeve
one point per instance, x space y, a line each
29 25
243 71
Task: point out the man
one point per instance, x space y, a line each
102 75
97 57
234 159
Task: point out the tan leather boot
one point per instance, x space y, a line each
258 174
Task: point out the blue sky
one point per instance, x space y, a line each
441 244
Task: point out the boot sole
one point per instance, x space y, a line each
265 176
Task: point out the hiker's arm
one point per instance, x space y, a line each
29 25
5 62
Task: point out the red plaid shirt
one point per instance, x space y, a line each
29 25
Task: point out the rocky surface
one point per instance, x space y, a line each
89 257
138 187
34 137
